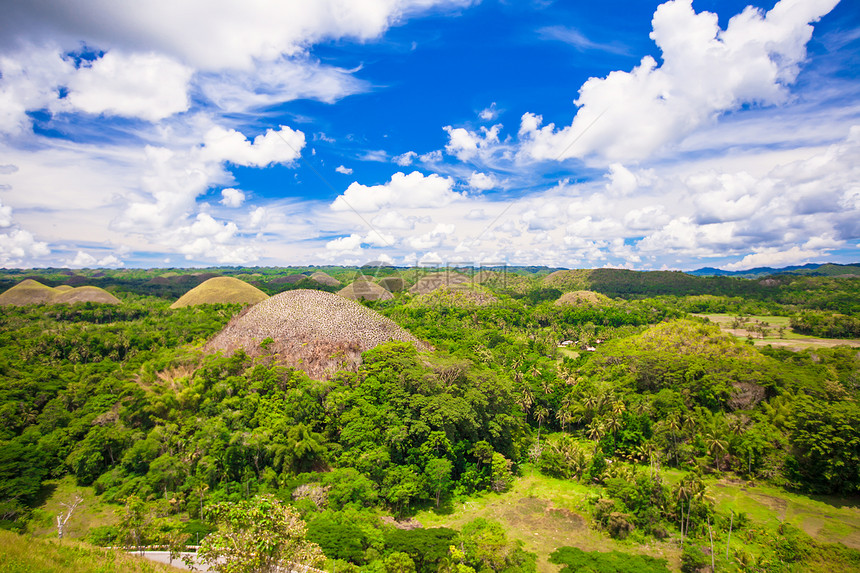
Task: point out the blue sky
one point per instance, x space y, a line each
630 134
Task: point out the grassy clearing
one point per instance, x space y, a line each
89 514
24 554
825 518
789 338
568 352
545 514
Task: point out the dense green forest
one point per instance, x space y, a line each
632 397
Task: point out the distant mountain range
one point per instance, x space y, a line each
809 269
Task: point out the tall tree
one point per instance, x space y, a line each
260 535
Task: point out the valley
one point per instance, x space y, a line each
514 420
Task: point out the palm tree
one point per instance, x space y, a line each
541 414
526 399
673 424
596 430
716 445
613 423
563 416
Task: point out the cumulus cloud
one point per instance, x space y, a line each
5 215
147 86
86 260
773 257
432 239
232 37
621 180
405 159
413 191
18 247
646 218
258 217
344 170
465 144
483 181
207 238
350 243
706 71
232 197
28 80
489 113
727 196
394 220
282 146
431 157
170 185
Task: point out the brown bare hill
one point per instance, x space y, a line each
288 279
364 289
315 331
433 281
582 298
325 279
392 284
85 294
221 290
33 292
26 292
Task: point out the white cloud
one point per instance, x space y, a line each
433 239
773 257
728 197
482 181
28 80
621 180
19 247
350 243
375 238
207 238
578 40
232 197
171 183
272 82
413 191
706 71
258 216
86 260
344 170
465 144
647 218
148 86
405 159
5 215
431 157
431 258
394 220
282 146
489 113
232 36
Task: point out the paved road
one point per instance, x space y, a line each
164 557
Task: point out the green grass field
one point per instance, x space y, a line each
24 554
90 513
545 514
